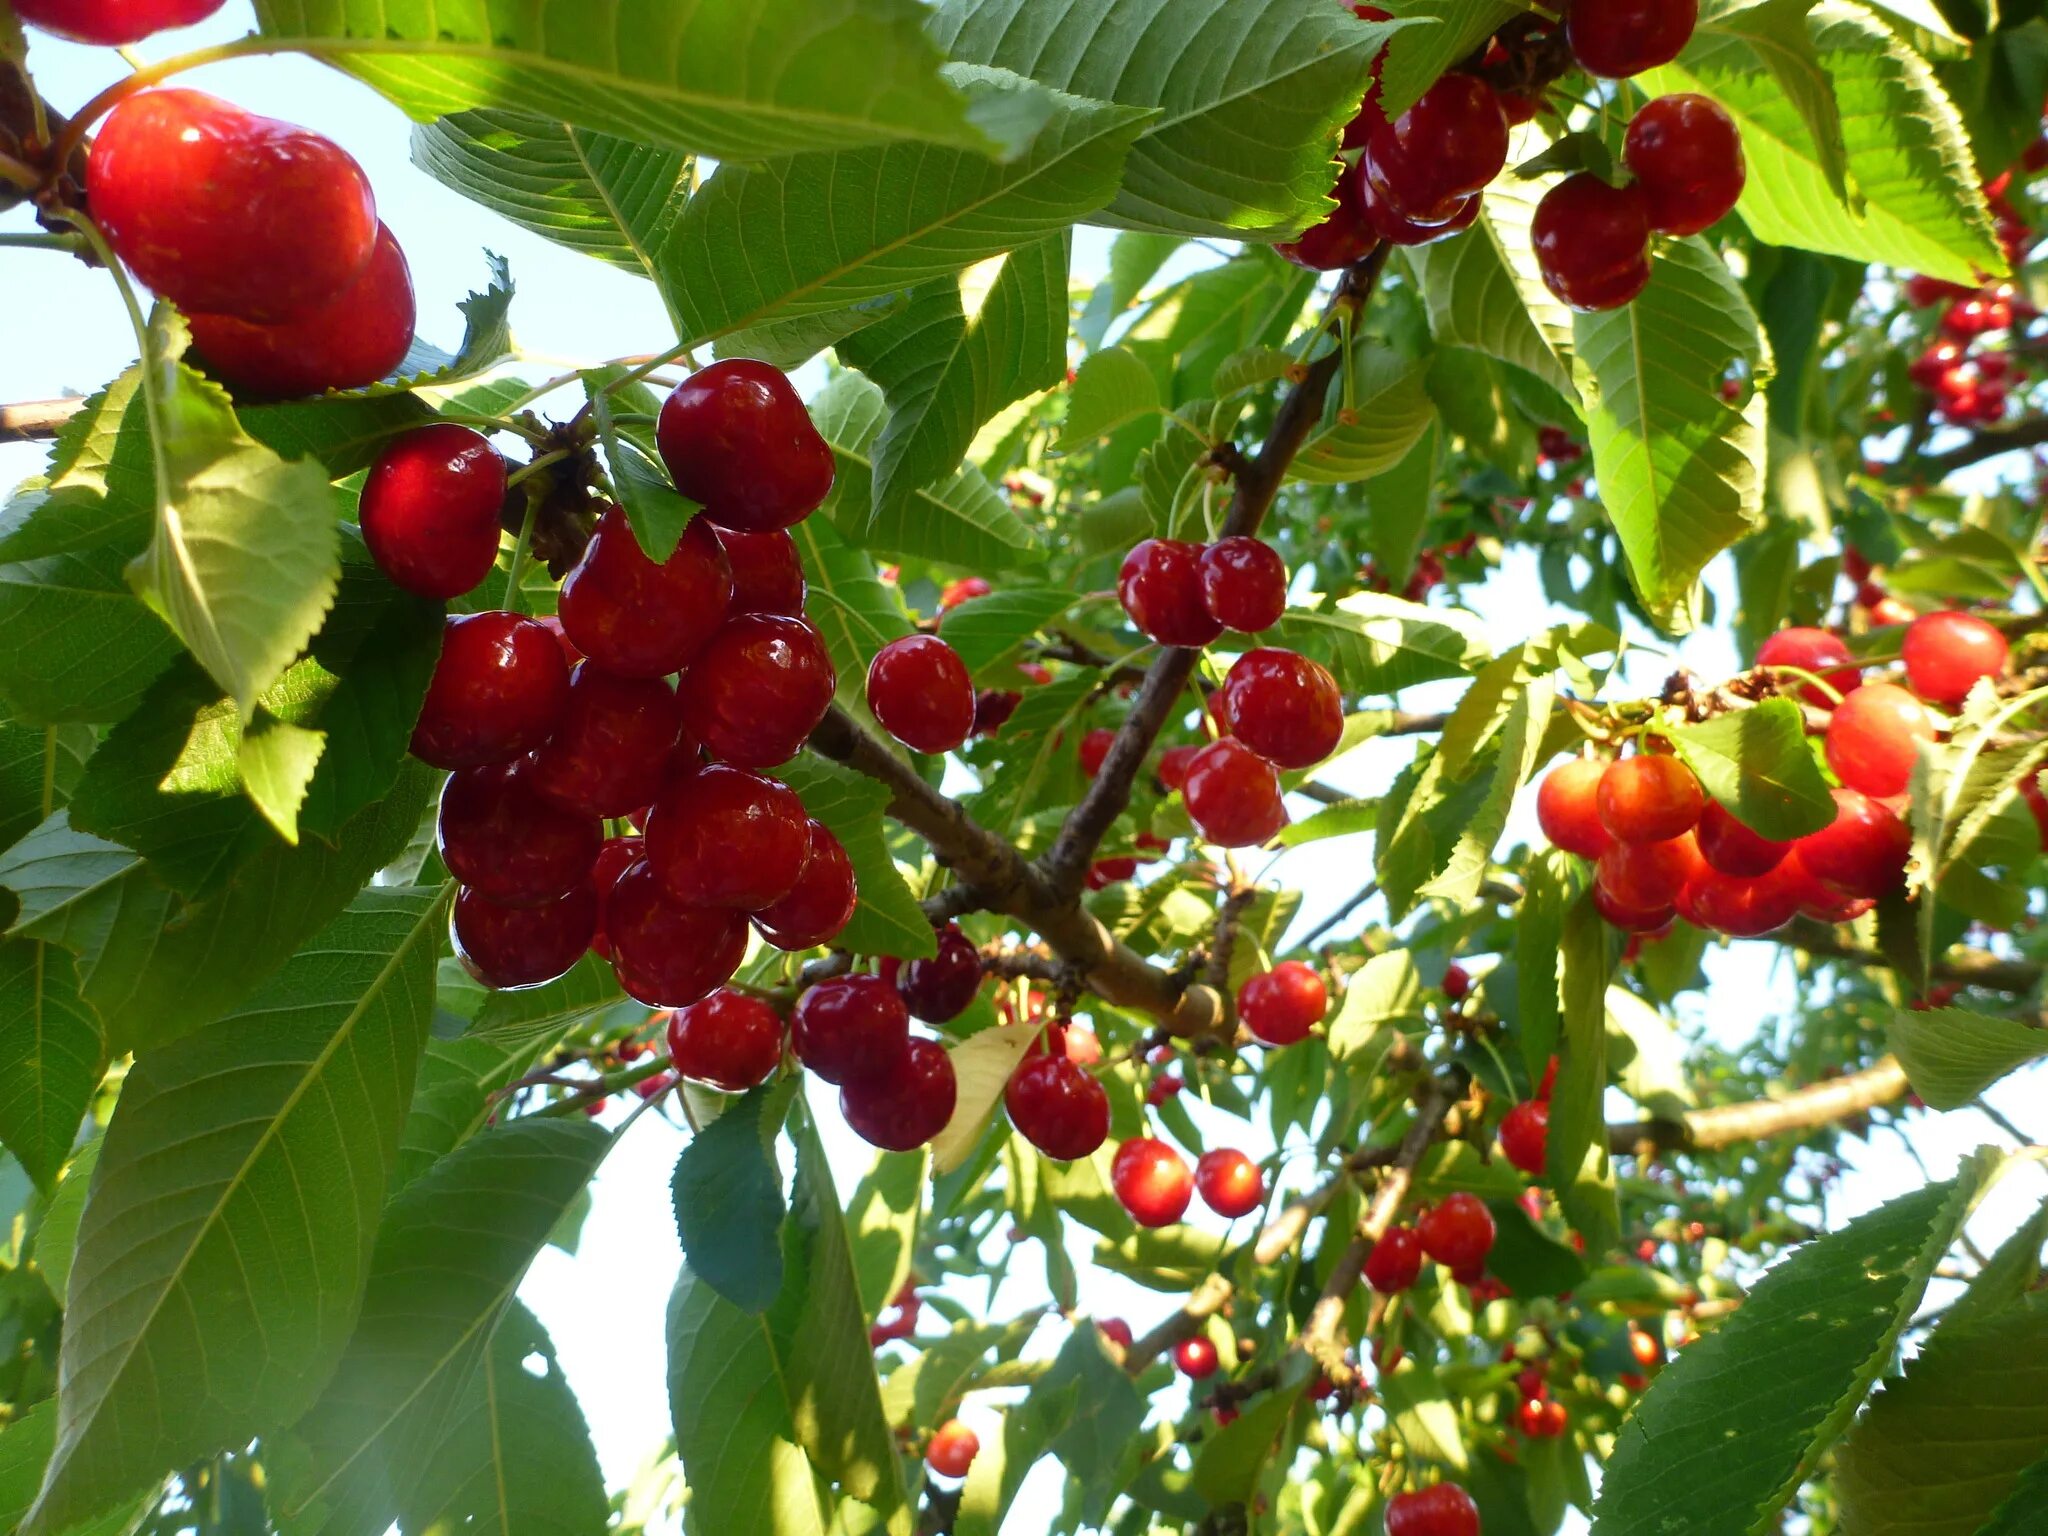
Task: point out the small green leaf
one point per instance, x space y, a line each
1229 1463
881 1221
728 1201
1382 995
51 1055
1392 411
1953 1054
277 760
657 513
988 632
1577 1163
1111 388
1381 645
1444 32
1758 764
1527 1260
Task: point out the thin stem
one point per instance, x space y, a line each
522 551
525 472
20 172
633 376
71 245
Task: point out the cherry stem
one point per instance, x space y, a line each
73 245
20 172
522 551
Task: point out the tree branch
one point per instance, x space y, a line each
35 421
1805 1109
1986 445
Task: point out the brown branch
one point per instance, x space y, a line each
1986 445
35 421
1805 1109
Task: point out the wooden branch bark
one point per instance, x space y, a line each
35 421
1805 1109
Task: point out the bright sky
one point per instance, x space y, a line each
62 329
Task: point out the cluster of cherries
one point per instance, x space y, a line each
1971 382
1661 849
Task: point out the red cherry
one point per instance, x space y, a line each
1645 876
507 948
919 690
1645 1347
1734 849
820 904
1173 766
1152 1181
1162 1089
1449 145
993 708
1457 1232
851 1029
1395 1263
1284 706
1543 1420
224 212
1862 853
1058 1107
1084 1046
430 510
1104 873
1816 651
1631 919
965 590
1946 653
767 574
1568 807
938 990
612 749
1161 589
1889 610
736 438
1593 242
1686 153
1649 799
499 689
759 688
618 855
668 955
902 1112
1369 117
1619 38
1233 795
2037 803
1457 982
730 1040
1244 582
724 837
1344 238
1282 1005
1229 1182
1874 739
1394 227
501 838
953 1449
1116 1330
113 23
1095 750
1196 1358
359 336
639 619
1744 908
1525 1136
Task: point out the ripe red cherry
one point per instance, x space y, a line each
1649 799
1862 853
1370 116
903 1111
1244 582
1196 1358
1282 1005
1457 1232
1568 807
1946 653
499 689
1395 227
993 708
759 688
1645 1347
1173 766
502 839
1116 1330
1104 873
1094 750
1152 1181
1395 1262
430 510
611 752
1874 738
1816 651
767 573
938 990
724 837
1646 876
358 337
1057 1107
1284 706
1744 908
919 690
1619 38
1525 1136
1161 589
224 212
965 590
1734 849
1593 242
736 437
1344 238
953 1449
1229 1182
851 1029
1631 919
820 904
1233 795
1686 153
664 954
113 23
1457 982
616 856
730 1040
507 948
639 619
1449 145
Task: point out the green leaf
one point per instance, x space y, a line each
51 1056
1757 763
728 1201
486 341
1446 31
1111 388
1577 1165
1392 412
888 920
1464 871
1528 1260
656 512
228 1235
1381 996
57 1238
1229 1463
739 79
1539 935
1380 645
989 632
511 1018
454 1097
1681 470
1134 260
346 433
1953 1054
2020 1514
1727 1426
997 1476
881 1223
25 1451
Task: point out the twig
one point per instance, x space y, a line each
1986 445
34 421
1806 1109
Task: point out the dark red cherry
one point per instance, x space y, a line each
1734 849
820 904
759 688
1525 1136
1152 1181
1058 1107
1396 228
851 1029
1947 653
1592 242
730 1040
224 212
1457 1232
767 574
639 619
1619 38
1229 1183
919 690
499 689
1344 237
1196 1358
508 844
902 1112
939 989
1094 750
430 510
1862 853
1161 589
359 336
1244 582
1284 706
610 755
618 855
1444 1509
1282 1005
993 708
736 437
1686 153
725 837
1395 1262
1449 145
667 955
113 23
507 948
1233 795
1370 115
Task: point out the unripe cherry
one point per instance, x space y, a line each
737 439
1152 1181
1947 653
1282 1005
429 510
730 1041
821 903
1229 1182
1058 1107
919 690
1233 795
903 1111
1284 706
1874 739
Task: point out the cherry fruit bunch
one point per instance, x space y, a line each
1970 377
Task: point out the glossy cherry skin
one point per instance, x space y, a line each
736 437
1946 653
430 510
1862 852
1649 799
1743 908
767 573
1152 1181
1284 706
759 688
1370 116
113 23
1196 1358
1593 242
1344 238
1646 876
1619 38
820 904
1057 1107
1449 145
1816 651
1686 153
1244 582
1457 1231
1628 918
618 855
504 841
610 754
851 1029
1395 227
919 690
1568 807
1395 1262
1874 739
1094 750
224 212
1229 1183
1161 589
725 837
1442 1510
1282 1005
902 1112
1173 766
953 1449
507 948
938 990
1734 849
1233 795
1525 1136
356 338
730 1041
664 954
639 619
499 689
